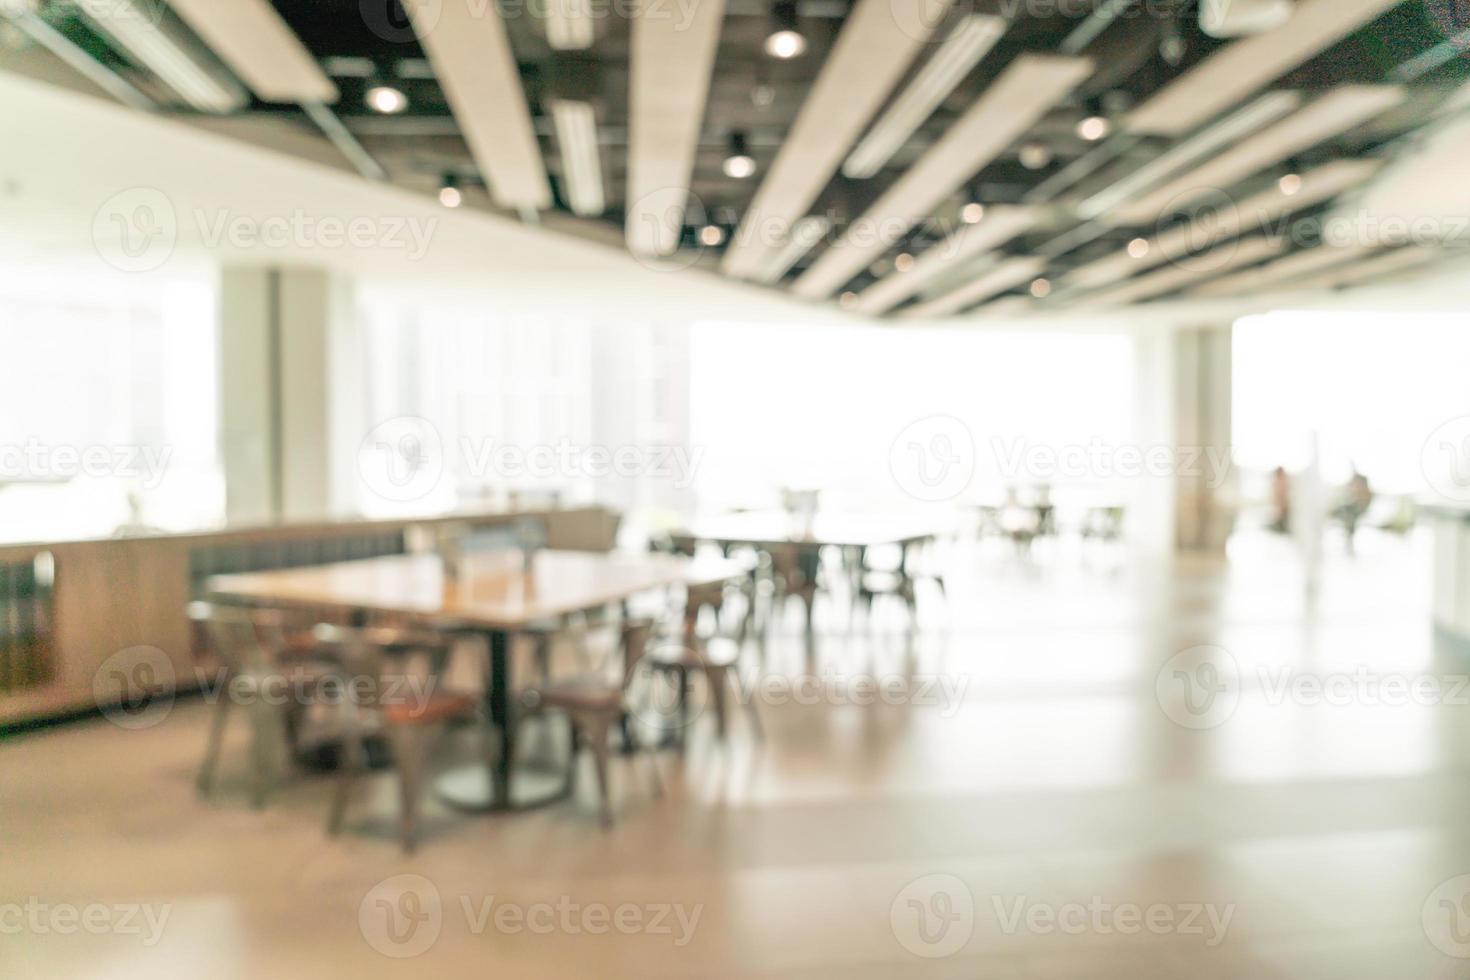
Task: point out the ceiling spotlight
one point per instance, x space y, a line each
1041 288
1139 248
785 40
846 300
762 96
1035 156
1291 184
1093 128
386 99
972 213
904 262
739 164
711 235
449 194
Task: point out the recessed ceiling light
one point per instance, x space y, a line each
846 300
1093 128
1291 184
1041 288
385 99
1035 156
450 195
972 213
785 40
904 262
711 235
1139 248
739 164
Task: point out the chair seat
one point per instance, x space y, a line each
716 651
589 693
439 706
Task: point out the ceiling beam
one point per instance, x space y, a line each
472 57
1030 87
999 226
1216 262
1244 67
259 46
669 81
1283 271
1255 213
877 44
1004 277
1332 115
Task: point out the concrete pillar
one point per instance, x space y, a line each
1183 380
292 391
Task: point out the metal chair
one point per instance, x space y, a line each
374 663
254 653
715 657
594 703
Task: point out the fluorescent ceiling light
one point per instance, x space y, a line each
878 42
257 44
140 30
999 226
1283 271
1240 68
667 91
970 41
569 24
480 77
581 164
1378 267
1024 92
1006 276
1255 213
804 237
1333 114
1226 258
1264 111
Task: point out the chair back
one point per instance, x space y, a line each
246 641
360 654
634 642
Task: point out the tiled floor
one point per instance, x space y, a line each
1040 813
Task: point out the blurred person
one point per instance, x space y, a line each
1357 498
1280 501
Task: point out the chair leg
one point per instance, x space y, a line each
596 729
408 757
205 780
716 682
266 737
348 768
749 696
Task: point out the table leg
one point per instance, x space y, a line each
499 693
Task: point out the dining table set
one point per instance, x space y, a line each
427 607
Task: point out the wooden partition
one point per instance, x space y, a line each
109 596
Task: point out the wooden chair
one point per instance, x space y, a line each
374 661
795 575
255 654
596 702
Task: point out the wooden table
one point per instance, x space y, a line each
853 535
494 596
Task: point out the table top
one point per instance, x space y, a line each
770 528
493 590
